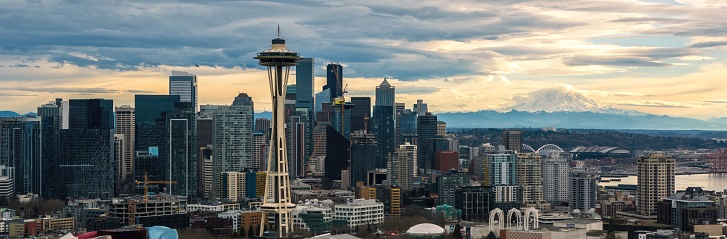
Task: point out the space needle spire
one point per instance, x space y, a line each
278 61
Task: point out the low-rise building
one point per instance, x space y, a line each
360 212
682 212
242 220
159 210
313 217
213 208
56 224
7 213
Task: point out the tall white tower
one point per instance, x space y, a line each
278 61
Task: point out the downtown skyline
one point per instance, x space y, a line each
660 57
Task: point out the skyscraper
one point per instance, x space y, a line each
501 169
184 85
363 149
341 117
530 180
334 80
338 153
125 125
299 135
426 130
360 113
441 128
385 94
305 79
555 179
420 107
402 167
512 139
181 136
655 181
51 120
582 191
408 127
86 165
384 126
152 114
20 148
232 137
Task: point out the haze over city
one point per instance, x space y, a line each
660 57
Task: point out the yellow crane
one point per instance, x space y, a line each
147 182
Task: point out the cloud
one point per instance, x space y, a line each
94 90
613 61
419 90
708 44
656 104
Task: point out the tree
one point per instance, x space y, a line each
3 201
251 231
457 231
491 235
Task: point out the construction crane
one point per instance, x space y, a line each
147 182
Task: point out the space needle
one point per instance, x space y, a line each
278 60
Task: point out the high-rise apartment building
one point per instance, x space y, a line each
334 80
184 85
555 179
363 150
441 128
232 136
530 180
426 131
655 181
125 125
85 166
501 169
402 168
582 191
448 184
20 148
512 139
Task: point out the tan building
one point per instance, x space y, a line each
655 181
530 180
16 230
57 224
125 127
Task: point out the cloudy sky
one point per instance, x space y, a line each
658 56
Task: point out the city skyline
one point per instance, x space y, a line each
463 56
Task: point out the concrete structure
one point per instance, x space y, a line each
7 181
582 191
159 210
656 181
425 230
60 224
555 179
278 61
402 166
360 212
232 137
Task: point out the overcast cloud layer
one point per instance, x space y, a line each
459 56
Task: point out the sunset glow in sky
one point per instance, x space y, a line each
659 56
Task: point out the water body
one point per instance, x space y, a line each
714 181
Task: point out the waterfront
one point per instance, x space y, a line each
714 181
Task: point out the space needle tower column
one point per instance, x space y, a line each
278 60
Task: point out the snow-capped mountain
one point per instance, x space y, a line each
562 98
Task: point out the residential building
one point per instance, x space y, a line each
655 181
242 220
360 212
684 212
448 183
582 191
402 166
442 129
232 137
555 179
52 122
512 139
501 169
530 180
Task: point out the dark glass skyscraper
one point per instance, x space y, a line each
182 138
360 112
305 80
408 127
334 80
337 154
341 117
86 165
363 149
152 114
383 129
20 147
426 131
385 94
51 123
